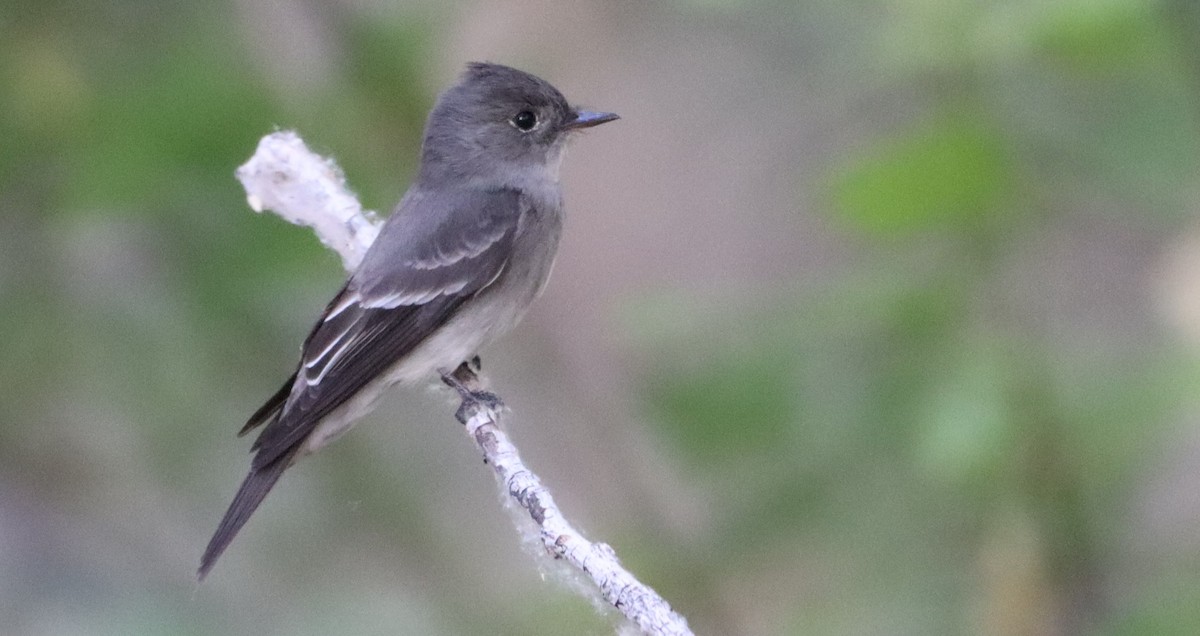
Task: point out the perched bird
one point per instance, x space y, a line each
458 262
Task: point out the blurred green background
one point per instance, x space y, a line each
871 318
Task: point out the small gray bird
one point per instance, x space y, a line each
457 263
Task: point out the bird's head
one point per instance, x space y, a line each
499 121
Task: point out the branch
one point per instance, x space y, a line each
285 177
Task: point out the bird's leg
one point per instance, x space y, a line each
464 380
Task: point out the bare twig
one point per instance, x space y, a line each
306 189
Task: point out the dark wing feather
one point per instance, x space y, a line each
367 348
271 409
448 244
432 254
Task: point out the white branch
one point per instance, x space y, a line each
285 177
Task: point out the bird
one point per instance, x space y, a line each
469 246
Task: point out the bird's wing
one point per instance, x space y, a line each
425 263
432 255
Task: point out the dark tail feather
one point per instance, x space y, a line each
254 489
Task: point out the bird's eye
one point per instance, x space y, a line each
524 121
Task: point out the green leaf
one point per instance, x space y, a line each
1099 34
952 170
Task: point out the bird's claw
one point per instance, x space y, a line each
472 400
475 401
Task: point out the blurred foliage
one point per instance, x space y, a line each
952 170
947 433
923 367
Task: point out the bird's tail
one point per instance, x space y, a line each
254 489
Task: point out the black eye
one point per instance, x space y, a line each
524 121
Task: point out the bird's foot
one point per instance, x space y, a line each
473 400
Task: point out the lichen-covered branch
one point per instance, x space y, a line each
637 601
285 177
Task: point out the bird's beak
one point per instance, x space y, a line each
587 119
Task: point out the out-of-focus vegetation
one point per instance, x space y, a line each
871 318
